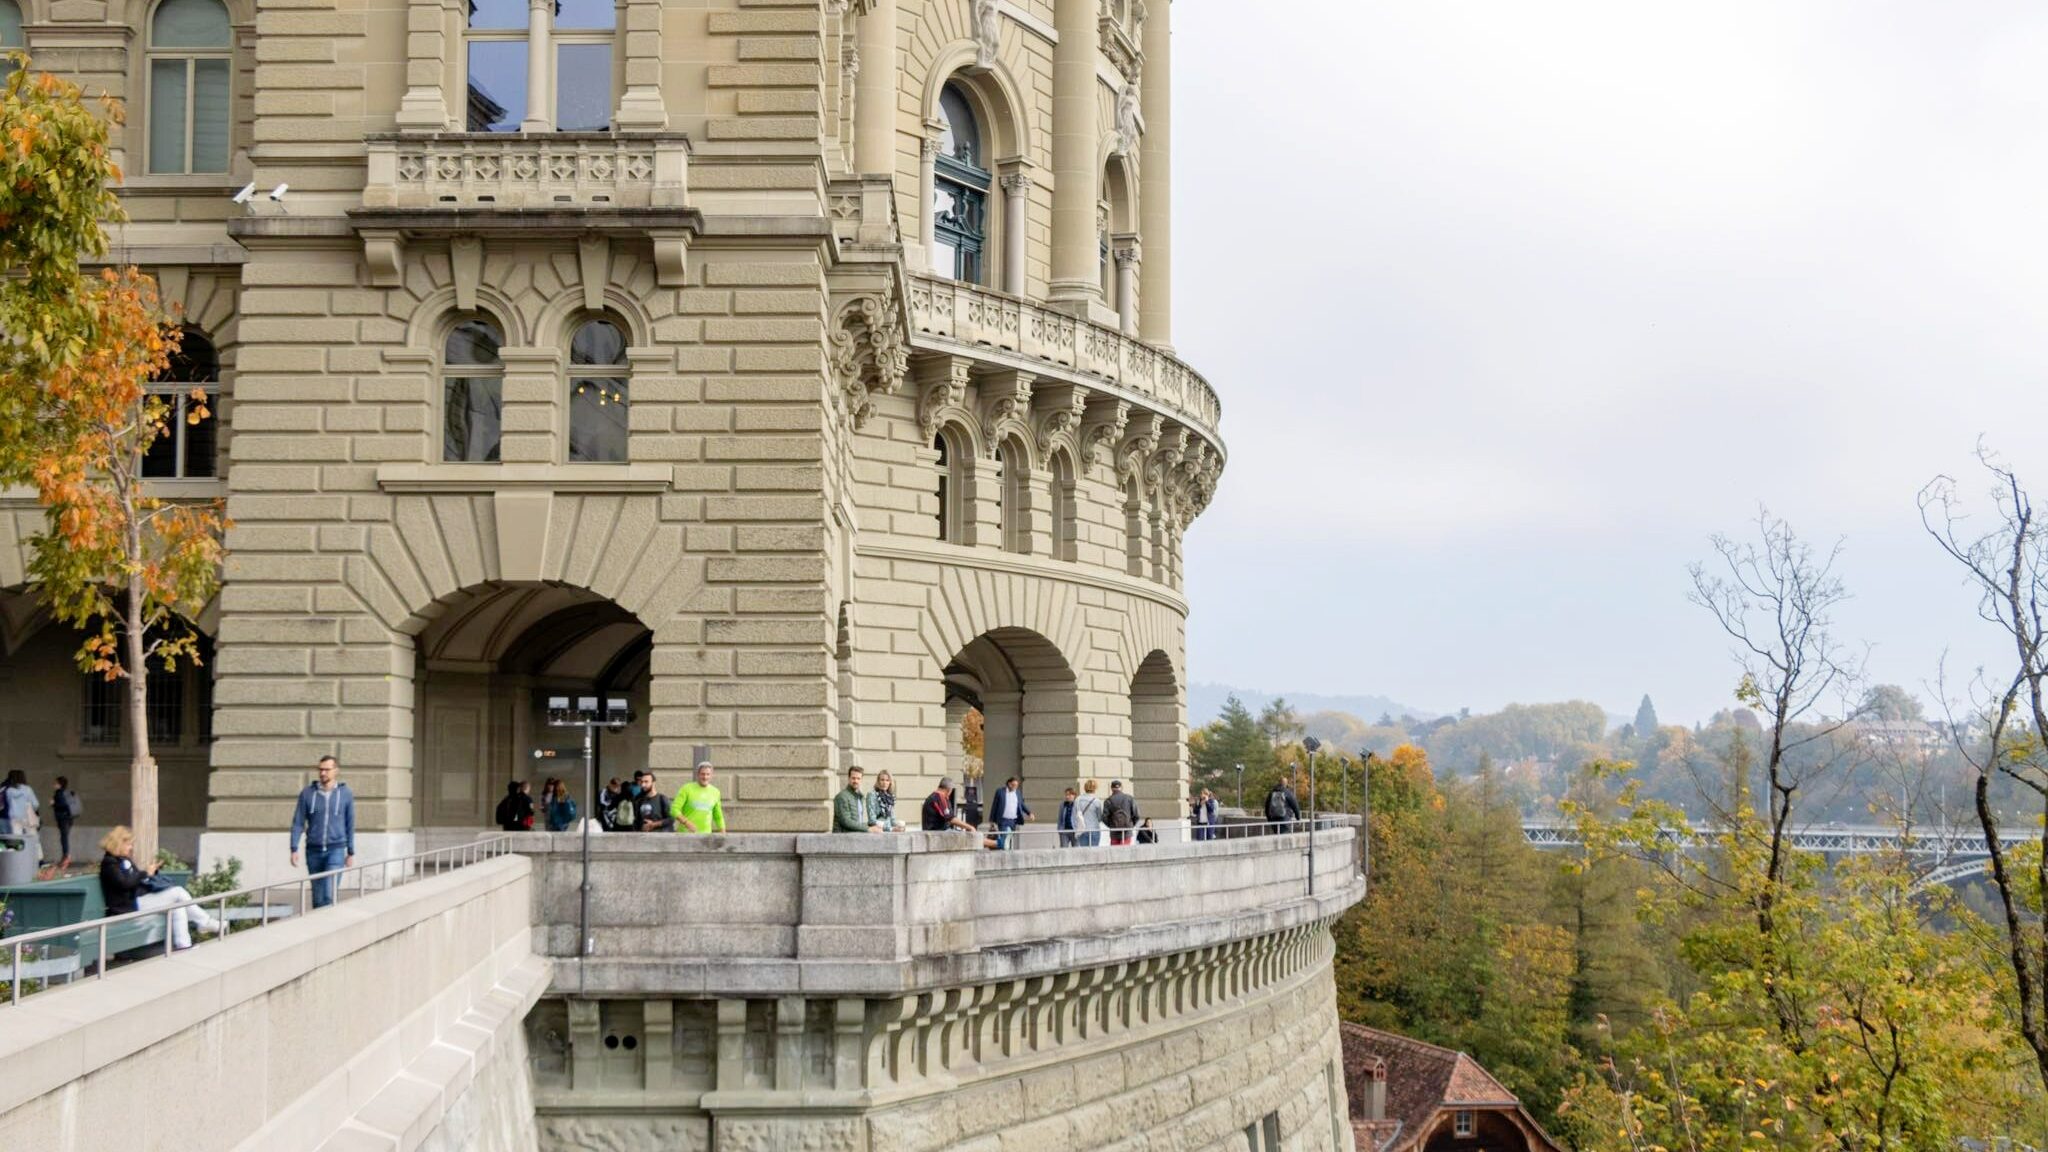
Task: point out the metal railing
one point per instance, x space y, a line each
1039 834
417 866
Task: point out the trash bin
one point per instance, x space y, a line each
17 862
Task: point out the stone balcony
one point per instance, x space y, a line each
824 915
948 315
517 170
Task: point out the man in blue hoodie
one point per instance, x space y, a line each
326 816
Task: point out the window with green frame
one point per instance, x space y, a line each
960 188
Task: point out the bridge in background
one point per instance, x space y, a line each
1953 853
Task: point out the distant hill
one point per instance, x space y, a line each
1205 703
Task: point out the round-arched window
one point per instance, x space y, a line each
472 391
185 449
597 393
960 188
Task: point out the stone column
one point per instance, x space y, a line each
981 506
540 19
1002 740
1016 221
1155 180
927 164
1076 146
425 107
874 102
640 106
535 414
1128 262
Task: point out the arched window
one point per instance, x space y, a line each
189 69
1066 522
950 485
960 186
11 39
576 67
472 391
184 450
597 393
1013 482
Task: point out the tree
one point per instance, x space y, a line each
114 560
1280 723
1646 719
1233 738
1889 702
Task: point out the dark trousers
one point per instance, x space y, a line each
64 839
320 860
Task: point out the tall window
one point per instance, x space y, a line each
960 185
189 65
472 391
945 477
576 85
1013 476
185 449
11 39
1066 519
104 701
597 393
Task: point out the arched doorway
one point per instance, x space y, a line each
487 661
1025 691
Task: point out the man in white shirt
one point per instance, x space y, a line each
1007 812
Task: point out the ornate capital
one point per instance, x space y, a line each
1103 428
1017 183
1006 397
942 383
1061 410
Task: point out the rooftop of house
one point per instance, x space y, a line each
1421 1083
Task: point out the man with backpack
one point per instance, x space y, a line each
644 809
66 806
1119 814
1282 809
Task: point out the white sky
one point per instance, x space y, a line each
1512 304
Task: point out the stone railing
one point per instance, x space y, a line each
762 914
515 170
970 315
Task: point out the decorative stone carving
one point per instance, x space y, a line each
988 32
1101 434
944 380
1060 416
870 352
1118 47
1127 131
1006 399
609 1132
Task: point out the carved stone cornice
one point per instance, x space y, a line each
1006 402
1134 451
1103 428
870 351
1060 409
1116 44
942 391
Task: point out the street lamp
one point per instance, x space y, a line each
1240 787
588 713
1309 744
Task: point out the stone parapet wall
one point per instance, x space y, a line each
761 915
393 1016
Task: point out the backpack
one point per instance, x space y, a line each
73 806
626 814
1276 805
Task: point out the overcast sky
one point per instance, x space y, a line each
1511 305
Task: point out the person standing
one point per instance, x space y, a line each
515 811
698 808
650 809
557 809
1066 820
608 798
1203 816
1088 816
882 802
1008 812
1120 812
1282 809
20 812
65 806
850 809
326 817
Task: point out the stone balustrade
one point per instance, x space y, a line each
825 915
513 170
947 314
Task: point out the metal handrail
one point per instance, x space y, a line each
433 862
1039 834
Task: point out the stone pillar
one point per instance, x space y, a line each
1036 517
981 506
1002 733
424 107
640 106
874 102
1127 264
1016 222
536 409
927 163
540 19
1155 179
1076 147
1138 537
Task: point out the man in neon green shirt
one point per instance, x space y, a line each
697 808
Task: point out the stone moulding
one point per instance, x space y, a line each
947 316
517 170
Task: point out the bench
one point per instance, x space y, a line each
76 900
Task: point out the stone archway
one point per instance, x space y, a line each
486 661
1027 695
1157 738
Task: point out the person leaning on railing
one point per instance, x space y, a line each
851 811
129 888
882 802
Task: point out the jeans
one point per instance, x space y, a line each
64 837
324 860
1006 835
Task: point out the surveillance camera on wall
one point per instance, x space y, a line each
247 193
278 192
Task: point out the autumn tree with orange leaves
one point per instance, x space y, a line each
79 350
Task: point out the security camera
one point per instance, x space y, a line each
278 192
247 193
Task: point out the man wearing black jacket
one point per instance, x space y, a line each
650 807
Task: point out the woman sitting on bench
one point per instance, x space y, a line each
126 888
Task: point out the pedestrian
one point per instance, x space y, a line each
1088 816
1282 809
882 802
515 811
608 798
1008 812
1120 813
326 816
851 811
67 808
1066 821
647 810
127 887
699 808
20 813
558 809
1203 816
938 814
1145 833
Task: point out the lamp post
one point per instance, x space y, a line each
1240 787
589 714
1309 744
1365 759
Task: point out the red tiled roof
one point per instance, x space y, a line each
1421 1080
